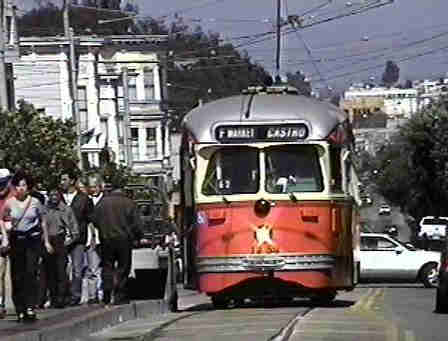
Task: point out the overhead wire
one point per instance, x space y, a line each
267 36
302 40
368 68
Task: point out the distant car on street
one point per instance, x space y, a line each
391 230
384 209
384 258
366 199
442 288
433 228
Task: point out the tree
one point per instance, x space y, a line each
110 4
115 174
47 20
412 171
298 80
37 143
391 74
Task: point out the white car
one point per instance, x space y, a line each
433 227
383 258
384 209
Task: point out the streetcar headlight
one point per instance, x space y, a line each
262 207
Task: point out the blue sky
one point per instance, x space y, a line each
413 33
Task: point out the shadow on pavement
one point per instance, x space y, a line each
272 304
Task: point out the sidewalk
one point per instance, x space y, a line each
77 323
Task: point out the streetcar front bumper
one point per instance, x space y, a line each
263 263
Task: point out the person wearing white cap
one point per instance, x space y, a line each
5 193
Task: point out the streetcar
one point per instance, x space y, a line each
267 203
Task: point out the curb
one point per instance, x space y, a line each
76 329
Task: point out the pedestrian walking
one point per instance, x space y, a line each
82 206
93 245
28 230
117 218
5 193
62 229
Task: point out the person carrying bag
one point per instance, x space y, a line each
28 231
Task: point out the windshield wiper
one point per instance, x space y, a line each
293 197
225 200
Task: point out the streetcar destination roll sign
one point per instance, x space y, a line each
284 132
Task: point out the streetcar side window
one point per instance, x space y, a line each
232 171
293 168
336 169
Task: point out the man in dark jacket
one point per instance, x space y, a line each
82 206
118 220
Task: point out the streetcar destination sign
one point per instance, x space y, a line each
284 132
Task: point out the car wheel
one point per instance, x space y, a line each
429 276
220 302
442 298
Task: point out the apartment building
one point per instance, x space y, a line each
396 103
118 100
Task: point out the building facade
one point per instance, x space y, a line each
114 89
397 103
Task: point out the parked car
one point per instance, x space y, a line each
384 209
442 289
433 227
384 258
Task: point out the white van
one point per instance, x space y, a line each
432 227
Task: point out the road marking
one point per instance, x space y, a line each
393 332
330 331
366 302
360 303
409 335
371 300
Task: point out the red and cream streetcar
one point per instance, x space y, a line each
266 198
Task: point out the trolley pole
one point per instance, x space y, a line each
73 79
277 58
126 121
3 92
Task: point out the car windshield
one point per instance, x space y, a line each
408 246
434 221
293 168
224 177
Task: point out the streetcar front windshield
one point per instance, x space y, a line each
232 171
293 168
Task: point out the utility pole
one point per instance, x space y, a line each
126 121
279 26
3 88
73 79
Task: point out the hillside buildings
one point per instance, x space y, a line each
118 100
376 112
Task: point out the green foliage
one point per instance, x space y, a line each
412 172
37 143
47 20
391 73
202 68
116 175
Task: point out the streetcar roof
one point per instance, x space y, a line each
321 117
